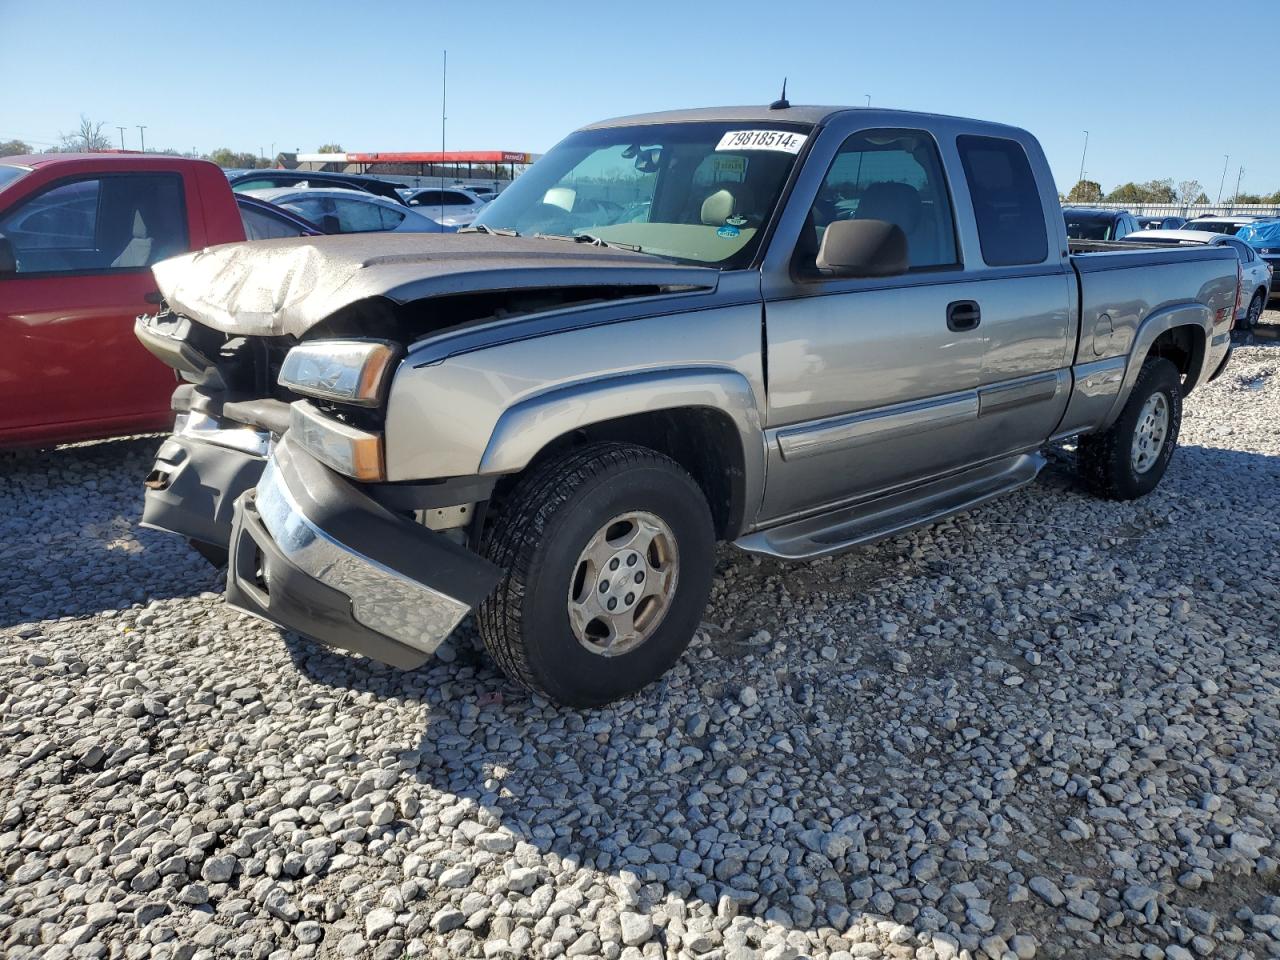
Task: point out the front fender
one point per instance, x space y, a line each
1194 315
536 421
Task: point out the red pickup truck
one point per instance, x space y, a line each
78 236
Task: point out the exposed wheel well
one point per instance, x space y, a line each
1184 347
703 440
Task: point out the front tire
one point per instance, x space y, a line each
609 554
1127 460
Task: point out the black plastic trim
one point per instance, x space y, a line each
428 496
267 414
193 488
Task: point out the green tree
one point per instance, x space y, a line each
1249 198
330 148
1126 193
1161 191
1086 191
1153 191
1201 198
230 159
14 148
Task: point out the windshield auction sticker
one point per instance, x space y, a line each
782 140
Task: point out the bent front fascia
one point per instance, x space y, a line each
490 411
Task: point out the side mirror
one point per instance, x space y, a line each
863 248
8 259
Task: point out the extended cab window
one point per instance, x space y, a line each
1006 201
98 223
892 175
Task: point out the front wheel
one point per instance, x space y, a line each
609 553
1127 460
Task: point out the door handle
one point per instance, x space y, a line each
963 315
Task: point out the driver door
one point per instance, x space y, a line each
872 382
70 366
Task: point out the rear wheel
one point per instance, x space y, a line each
1127 460
1254 314
609 554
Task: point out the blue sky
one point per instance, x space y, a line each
246 75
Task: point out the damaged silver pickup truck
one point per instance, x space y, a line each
797 329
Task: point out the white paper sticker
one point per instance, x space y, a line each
783 140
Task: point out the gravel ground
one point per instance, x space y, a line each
1049 727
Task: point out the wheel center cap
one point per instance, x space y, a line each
622 581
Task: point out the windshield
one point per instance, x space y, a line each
1213 226
9 173
1090 228
693 192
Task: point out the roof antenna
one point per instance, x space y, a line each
782 103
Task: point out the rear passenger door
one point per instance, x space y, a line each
1025 286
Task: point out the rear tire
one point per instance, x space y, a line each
546 536
1127 460
1254 314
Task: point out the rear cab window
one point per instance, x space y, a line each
1006 201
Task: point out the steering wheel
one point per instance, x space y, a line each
545 218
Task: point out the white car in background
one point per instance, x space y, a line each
1256 271
1223 223
452 206
351 211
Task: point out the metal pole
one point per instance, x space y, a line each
444 99
868 96
1082 156
121 129
1235 197
1223 182
142 136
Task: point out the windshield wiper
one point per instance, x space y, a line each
492 231
591 239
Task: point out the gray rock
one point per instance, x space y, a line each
1047 891
378 921
637 929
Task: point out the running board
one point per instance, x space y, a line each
858 523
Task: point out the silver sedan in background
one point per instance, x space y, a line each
351 211
452 206
1256 271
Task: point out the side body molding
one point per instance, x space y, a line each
1195 315
530 425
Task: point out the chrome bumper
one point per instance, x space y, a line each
312 552
381 599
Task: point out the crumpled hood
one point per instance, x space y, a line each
285 287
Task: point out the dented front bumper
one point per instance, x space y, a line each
313 553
